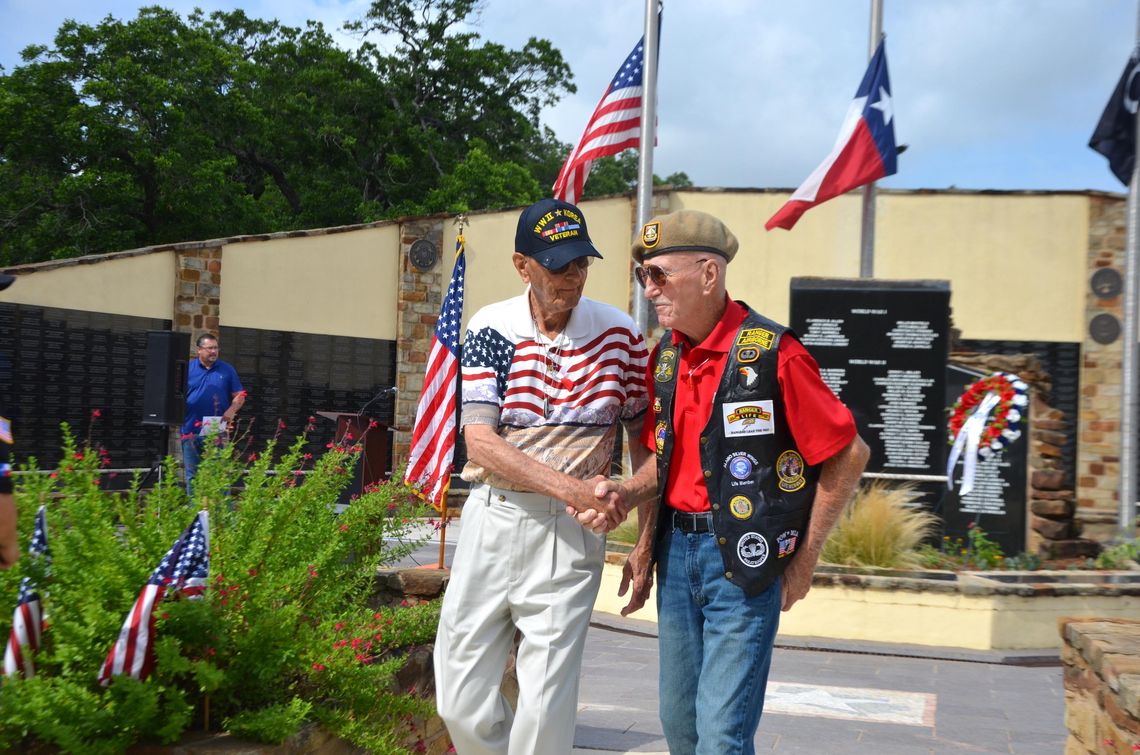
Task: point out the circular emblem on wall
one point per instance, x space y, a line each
790 470
752 549
740 507
1106 283
423 255
1104 328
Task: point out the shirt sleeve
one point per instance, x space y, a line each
485 364
235 383
821 424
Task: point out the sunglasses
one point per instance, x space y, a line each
581 263
656 275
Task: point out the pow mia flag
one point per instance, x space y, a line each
1115 134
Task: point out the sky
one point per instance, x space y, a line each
988 94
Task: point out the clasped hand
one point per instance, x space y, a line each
603 508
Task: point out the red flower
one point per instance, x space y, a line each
96 413
318 667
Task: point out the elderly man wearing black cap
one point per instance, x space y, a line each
9 548
547 377
756 458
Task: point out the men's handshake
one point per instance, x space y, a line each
608 507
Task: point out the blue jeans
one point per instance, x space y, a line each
715 646
191 455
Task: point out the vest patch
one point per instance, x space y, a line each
790 470
761 337
752 549
786 543
659 436
747 377
740 507
666 365
657 405
740 464
747 354
748 418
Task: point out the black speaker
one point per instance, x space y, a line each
164 387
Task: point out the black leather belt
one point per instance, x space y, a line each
687 521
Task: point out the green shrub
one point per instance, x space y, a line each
284 634
882 527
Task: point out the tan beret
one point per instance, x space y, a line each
684 231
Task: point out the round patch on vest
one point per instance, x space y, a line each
659 434
666 364
790 470
747 354
740 507
747 377
740 464
752 549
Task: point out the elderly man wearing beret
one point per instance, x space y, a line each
755 460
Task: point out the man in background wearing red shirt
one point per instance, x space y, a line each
755 460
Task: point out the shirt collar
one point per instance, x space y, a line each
723 334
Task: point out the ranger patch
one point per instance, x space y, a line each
748 418
756 337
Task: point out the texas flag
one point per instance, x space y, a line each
864 152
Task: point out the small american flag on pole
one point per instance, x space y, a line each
614 127
28 618
184 568
433 437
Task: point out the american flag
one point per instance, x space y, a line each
28 618
185 568
615 126
433 437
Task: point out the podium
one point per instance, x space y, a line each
375 462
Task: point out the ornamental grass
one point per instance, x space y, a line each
284 635
884 526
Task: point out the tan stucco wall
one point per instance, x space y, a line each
1016 263
490 240
341 284
140 285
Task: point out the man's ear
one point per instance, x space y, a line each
519 261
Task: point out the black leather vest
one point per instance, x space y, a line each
760 488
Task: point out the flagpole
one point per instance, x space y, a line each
645 149
1128 414
867 240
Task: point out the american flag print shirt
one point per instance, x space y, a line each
558 401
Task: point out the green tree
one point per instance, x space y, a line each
164 129
618 174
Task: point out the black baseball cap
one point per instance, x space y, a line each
554 233
6 280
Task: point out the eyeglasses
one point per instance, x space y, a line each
581 263
655 274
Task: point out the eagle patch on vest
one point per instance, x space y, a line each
748 418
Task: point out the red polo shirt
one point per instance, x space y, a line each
819 421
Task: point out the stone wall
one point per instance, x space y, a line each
1098 460
1102 685
420 297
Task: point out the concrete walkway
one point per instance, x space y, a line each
828 697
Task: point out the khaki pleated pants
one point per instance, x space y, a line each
521 562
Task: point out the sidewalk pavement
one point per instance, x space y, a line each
830 697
